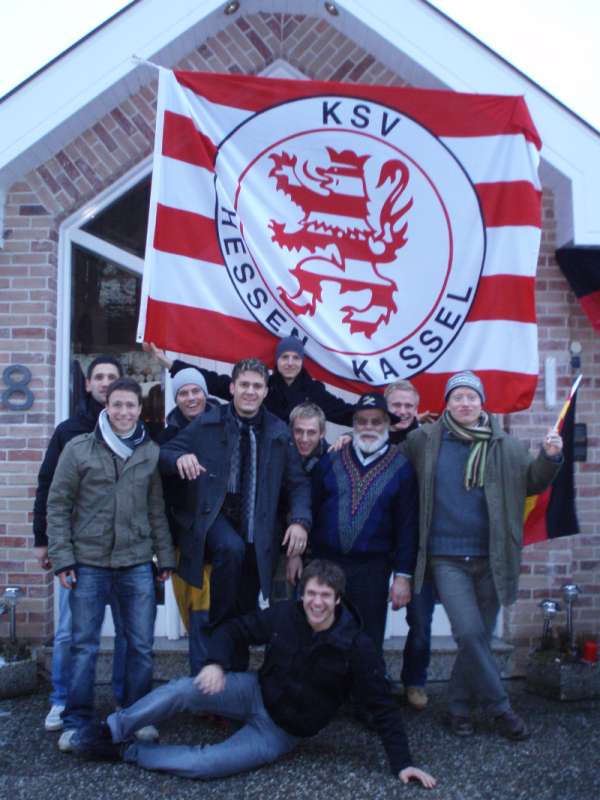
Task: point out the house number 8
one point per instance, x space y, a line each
18 396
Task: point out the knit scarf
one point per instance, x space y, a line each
243 470
479 437
122 447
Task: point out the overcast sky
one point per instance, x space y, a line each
552 41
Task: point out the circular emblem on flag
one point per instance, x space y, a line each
351 224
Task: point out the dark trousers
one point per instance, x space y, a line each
234 581
367 589
226 551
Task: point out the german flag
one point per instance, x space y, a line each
552 513
581 267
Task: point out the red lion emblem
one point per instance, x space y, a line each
347 229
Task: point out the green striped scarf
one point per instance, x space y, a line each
479 437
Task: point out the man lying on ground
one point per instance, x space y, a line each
316 655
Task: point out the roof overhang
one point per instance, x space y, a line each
412 38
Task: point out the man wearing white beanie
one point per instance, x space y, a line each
191 394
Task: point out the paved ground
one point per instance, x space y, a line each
561 761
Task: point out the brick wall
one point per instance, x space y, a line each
38 204
548 565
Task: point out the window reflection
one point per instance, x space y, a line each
124 222
105 304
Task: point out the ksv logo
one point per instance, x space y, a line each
352 225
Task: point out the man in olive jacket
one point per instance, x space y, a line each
473 481
106 521
241 458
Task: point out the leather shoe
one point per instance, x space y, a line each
511 726
461 726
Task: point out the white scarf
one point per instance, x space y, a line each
112 439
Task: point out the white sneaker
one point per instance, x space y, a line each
65 743
147 734
53 721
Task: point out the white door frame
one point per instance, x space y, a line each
168 621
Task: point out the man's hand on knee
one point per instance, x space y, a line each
210 679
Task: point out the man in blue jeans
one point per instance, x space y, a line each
402 399
316 654
101 372
106 520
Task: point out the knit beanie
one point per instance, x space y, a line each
289 343
188 375
468 379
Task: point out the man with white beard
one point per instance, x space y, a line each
365 515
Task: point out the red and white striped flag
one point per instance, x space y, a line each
396 231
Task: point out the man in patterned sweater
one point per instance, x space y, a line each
365 515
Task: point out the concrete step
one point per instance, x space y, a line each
171 658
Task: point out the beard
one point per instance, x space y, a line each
371 443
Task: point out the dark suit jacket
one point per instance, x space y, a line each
211 438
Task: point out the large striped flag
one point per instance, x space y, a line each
396 231
552 513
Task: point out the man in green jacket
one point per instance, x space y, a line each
473 481
106 520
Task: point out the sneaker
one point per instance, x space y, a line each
53 721
67 741
461 726
147 734
511 726
417 697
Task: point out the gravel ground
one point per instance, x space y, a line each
561 761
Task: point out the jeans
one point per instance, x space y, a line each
260 741
417 650
133 591
61 652
466 588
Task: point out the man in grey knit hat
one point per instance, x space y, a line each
473 481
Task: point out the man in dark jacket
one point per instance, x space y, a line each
316 654
307 422
101 372
241 458
191 398
289 384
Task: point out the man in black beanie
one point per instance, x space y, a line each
289 384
